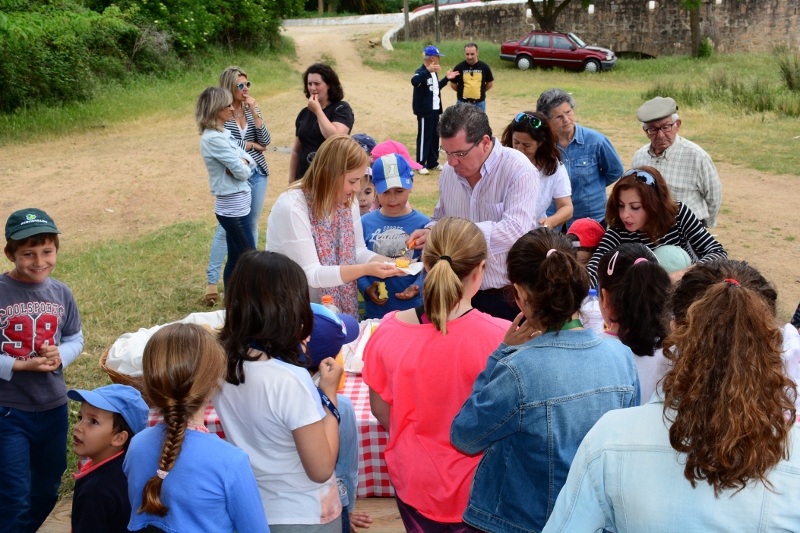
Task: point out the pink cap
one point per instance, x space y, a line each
393 147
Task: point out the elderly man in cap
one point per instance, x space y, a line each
427 105
690 174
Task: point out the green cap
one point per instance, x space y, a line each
28 222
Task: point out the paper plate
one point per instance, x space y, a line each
412 270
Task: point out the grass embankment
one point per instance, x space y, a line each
148 95
761 140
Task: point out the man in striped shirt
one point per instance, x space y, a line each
493 186
690 174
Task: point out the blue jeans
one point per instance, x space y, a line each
33 456
219 247
239 238
480 105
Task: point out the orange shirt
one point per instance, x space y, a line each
426 377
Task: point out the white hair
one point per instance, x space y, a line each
674 117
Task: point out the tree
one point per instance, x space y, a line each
693 7
551 9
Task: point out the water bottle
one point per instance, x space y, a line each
327 301
590 312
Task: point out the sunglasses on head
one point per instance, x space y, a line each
641 175
241 86
534 121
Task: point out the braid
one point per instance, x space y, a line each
176 418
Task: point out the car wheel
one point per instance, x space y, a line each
523 62
591 66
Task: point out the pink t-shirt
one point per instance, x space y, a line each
426 377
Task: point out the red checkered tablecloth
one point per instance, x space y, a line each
373 477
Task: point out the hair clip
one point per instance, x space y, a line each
641 260
612 263
550 251
732 281
162 473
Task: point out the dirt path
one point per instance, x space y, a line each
124 180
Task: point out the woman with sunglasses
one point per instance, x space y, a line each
530 133
248 128
641 210
327 114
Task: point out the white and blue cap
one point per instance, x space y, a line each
331 331
390 171
121 399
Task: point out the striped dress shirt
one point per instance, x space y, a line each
690 174
502 204
255 135
687 233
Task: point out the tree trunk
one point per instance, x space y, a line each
436 21
406 29
321 6
694 25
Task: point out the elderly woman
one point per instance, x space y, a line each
327 114
718 449
247 126
317 224
229 169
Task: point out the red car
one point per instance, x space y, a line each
554 49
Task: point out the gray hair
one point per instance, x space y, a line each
467 118
551 99
229 79
427 58
674 117
471 45
209 104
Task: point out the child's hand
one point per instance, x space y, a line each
49 351
371 292
37 364
359 519
330 373
517 334
411 292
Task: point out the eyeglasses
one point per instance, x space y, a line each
644 177
535 122
666 128
241 86
460 155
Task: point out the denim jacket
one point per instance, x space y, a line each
592 165
627 478
222 152
528 411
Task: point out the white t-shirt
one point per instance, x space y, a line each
651 370
553 186
258 416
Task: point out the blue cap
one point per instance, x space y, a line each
331 331
432 51
390 171
366 142
121 399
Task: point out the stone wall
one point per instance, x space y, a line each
630 26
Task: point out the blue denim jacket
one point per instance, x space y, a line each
221 152
529 411
592 165
627 478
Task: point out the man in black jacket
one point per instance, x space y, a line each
427 105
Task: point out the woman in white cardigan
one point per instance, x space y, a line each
317 224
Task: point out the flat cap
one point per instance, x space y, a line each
656 109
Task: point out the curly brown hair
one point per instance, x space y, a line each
729 401
657 202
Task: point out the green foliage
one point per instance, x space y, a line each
789 65
706 48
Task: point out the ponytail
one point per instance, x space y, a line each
455 247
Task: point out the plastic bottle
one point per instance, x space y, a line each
590 312
327 301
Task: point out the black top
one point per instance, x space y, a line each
307 130
472 81
100 501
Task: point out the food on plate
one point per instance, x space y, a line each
402 262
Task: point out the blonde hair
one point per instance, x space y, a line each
324 179
182 367
229 79
211 101
463 242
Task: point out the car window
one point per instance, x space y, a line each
542 41
561 43
524 41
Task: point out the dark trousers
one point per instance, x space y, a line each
416 522
495 302
428 140
239 238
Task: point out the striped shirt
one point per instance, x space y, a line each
233 205
502 204
687 233
690 174
252 134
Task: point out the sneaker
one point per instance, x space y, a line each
424 171
439 168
